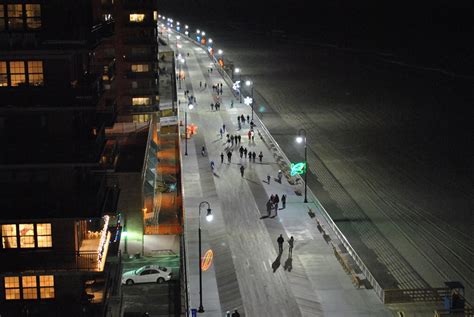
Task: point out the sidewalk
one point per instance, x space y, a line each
247 272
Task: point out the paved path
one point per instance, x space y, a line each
247 272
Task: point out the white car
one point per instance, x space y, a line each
147 274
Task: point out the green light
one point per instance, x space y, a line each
298 168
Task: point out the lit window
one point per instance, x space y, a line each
2 17
3 73
155 15
29 288
139 68
43 231
136 17
15 16
9 236
46 283
12 287
141 118
35 73
33 16
17 73
141 101
27 236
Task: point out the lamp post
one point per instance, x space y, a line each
180 62
190 106
209 217
238 71
300 138
249 83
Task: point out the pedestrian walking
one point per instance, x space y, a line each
245 152
283 201
268 179
235 313
222 157
240 137
221 132
241 154
254 155
276 200
253 137
269 207
280 241
205 85
229 156
242 168
238 119
290 246
280 175
232 103
212 106
260 157
203 151
212 166
249 134
223 127
242 118
232 139
248 118
200 84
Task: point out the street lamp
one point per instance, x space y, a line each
181 61
209 218
190 106
249 83
302 138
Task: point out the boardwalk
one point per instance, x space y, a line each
247 272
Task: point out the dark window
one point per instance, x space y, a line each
2 17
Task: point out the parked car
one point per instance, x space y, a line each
147 274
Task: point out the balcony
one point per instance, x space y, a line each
101 31
83 92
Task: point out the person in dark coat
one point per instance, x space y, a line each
260 157
222 157
254 155
290 246
235 313
276 200
283 201
280 241
269 207
242 169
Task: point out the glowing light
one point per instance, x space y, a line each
236 85
298 168
248 101
209 217
206 261
299 139
103 242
